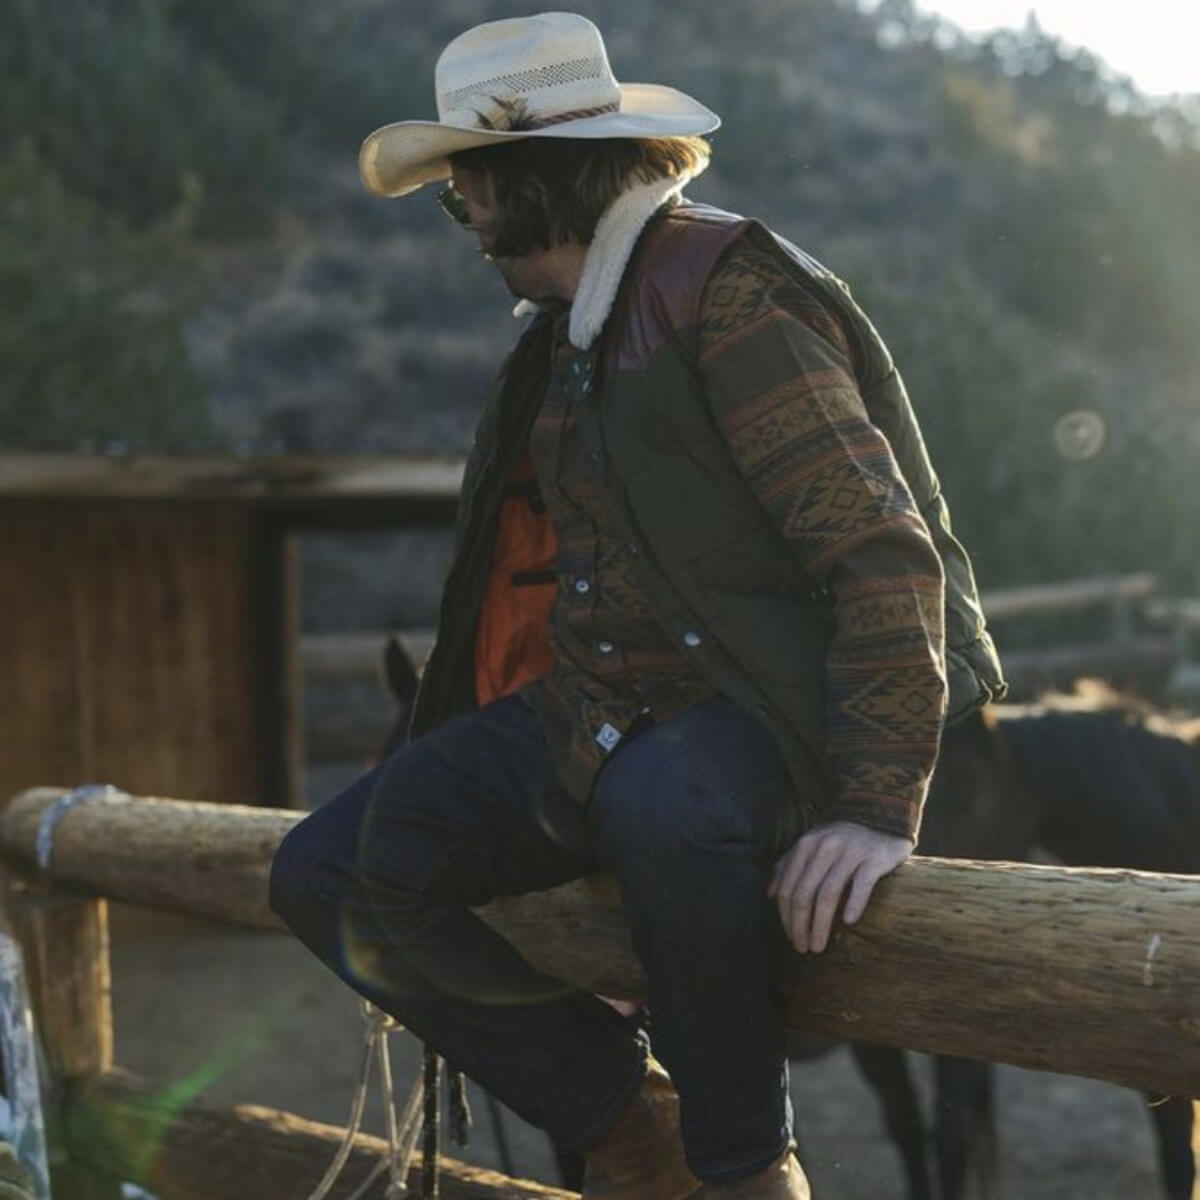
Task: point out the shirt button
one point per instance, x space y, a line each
606 647
692 638
582 586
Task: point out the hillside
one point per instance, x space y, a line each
187 260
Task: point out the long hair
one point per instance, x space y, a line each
550 191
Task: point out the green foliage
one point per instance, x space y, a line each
1020 224
90 345
126 111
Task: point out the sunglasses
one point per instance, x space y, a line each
452 202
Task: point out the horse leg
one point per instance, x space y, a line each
886 1070
966 1128
1173 1129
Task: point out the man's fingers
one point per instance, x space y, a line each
838 861
803 881
789 866
828 898
794 900
861 889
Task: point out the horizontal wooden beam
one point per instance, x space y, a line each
1086 972
1067 595
1141 664
117 1126
1175 613
345 657
215 477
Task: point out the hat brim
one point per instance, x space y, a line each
399 158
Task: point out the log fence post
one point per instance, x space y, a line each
65 944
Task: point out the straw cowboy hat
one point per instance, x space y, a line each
540 76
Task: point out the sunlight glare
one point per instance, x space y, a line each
1153 42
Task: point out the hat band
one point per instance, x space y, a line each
577 114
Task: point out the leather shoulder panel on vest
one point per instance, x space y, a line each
661 292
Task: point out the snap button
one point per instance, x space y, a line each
582 586
692 638
607 736
606 647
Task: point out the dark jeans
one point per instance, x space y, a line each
378 883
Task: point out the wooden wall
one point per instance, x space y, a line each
133 643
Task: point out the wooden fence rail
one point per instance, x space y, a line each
123 1130
1068 595
1079 971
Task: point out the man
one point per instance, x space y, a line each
693 633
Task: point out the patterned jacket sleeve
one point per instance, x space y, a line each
778 375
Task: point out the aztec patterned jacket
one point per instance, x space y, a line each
756 457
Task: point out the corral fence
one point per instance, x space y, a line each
1080 971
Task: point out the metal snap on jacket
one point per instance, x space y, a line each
692 638
607 736
582 586
606 647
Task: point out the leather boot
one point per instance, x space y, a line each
641 1155
784 1179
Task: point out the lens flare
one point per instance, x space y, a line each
1080 435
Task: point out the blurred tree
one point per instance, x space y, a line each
1019 221
91 351
125 110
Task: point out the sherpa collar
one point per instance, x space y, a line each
616 234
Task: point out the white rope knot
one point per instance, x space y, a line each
402 1131
377 1020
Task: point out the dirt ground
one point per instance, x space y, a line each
270 1026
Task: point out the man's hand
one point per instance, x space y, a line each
812 876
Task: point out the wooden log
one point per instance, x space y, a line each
337 730
116 1125
279 477
1066 596
1087 972
357 656
1141 663
65 943
210 860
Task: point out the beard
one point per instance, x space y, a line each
523 279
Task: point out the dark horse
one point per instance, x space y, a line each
1092 779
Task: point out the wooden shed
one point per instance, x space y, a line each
149 612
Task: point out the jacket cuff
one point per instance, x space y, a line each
899 816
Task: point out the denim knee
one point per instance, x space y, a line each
291 891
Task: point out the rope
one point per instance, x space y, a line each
59 809
420 1112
